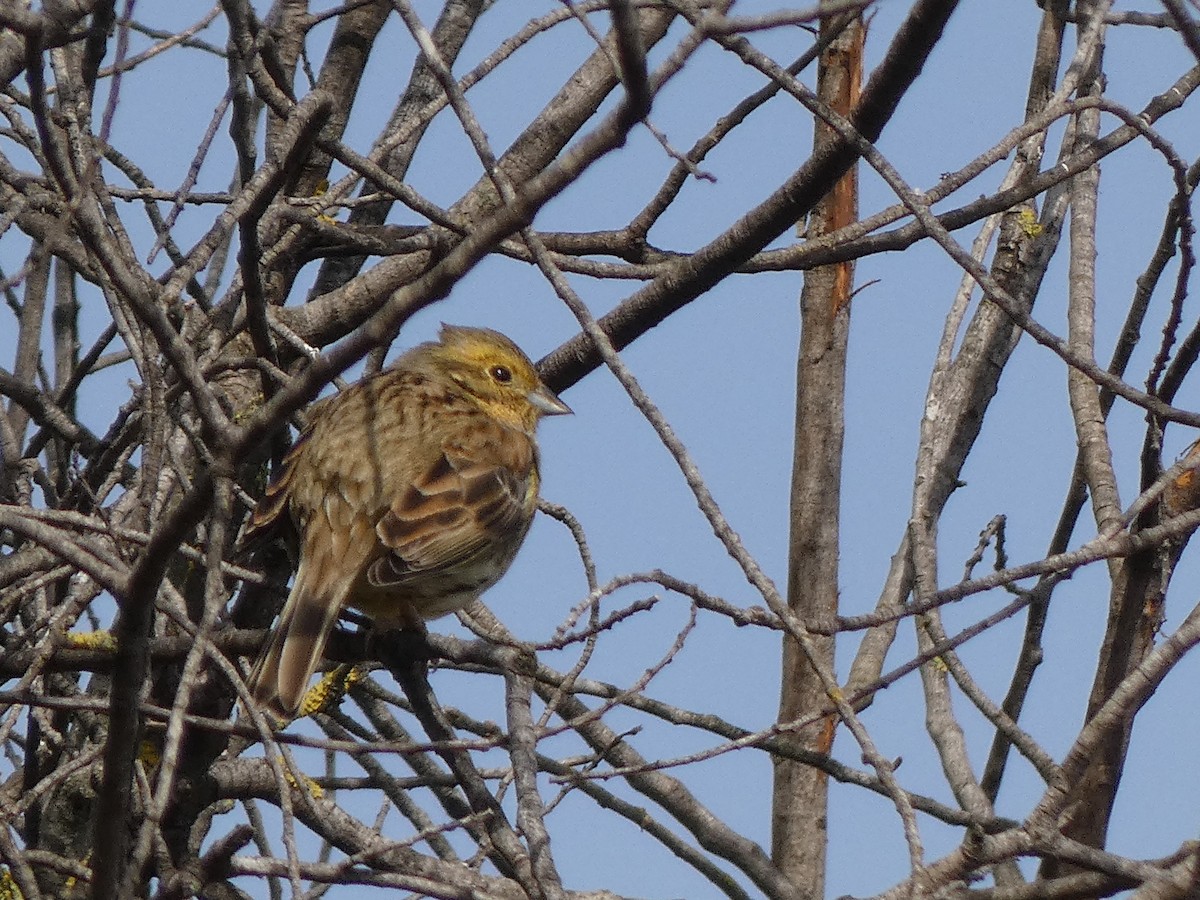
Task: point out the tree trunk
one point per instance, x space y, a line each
800 803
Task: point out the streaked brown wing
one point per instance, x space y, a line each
272 510
448 516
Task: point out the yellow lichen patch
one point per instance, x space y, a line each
320 192
92 640
70 883
252 406
149 753
1029 223
314 789
8 887
329 691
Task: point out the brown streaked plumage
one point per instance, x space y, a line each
409 494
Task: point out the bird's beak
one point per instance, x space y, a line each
547 402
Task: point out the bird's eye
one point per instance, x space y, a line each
502 374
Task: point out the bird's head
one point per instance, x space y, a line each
492 369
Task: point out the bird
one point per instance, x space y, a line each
406 497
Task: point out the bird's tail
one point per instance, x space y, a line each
293 652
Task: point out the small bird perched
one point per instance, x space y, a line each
408 495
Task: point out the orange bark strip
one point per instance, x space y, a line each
841 70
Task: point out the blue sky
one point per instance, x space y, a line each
723 371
